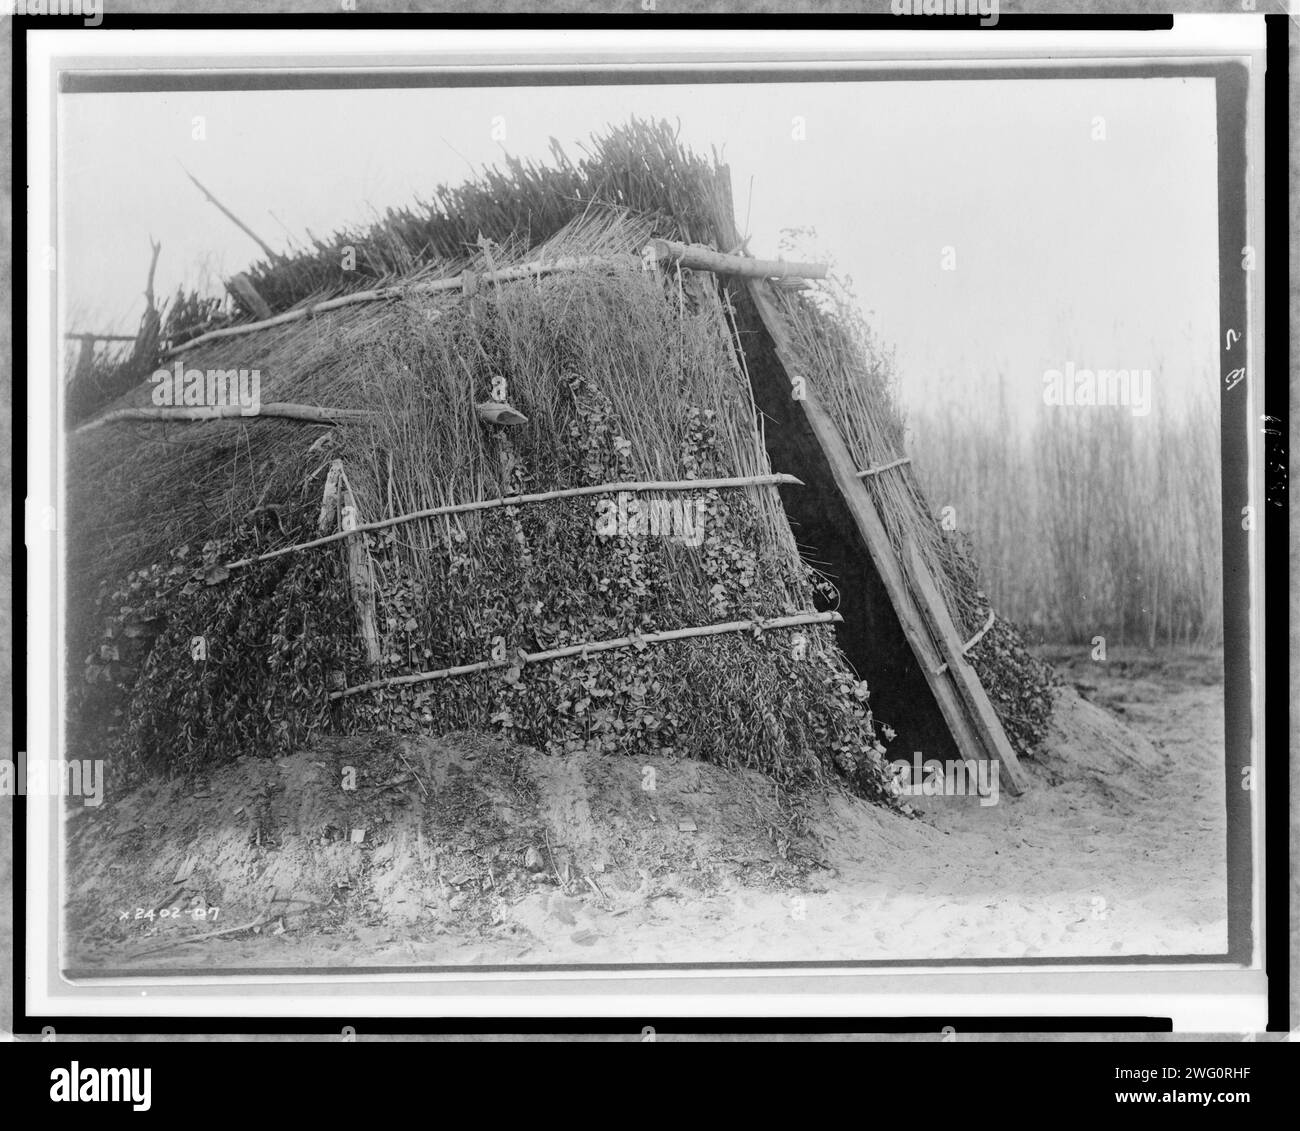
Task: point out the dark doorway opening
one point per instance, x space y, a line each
871 636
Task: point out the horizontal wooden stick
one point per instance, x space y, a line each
505 275
422 677
314 413
979 635
698 257
971 642
884 467
689 255
517 500
595 646
81 335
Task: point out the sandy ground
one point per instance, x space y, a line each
1116 849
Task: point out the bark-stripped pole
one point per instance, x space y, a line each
544 496
594 646
241 286
688 255
360 576
532 270
868 472
700 258
329 503
315 414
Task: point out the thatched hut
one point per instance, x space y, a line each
224 602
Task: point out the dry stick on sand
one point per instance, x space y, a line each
418 780
517 500
594 646
550 855
217 934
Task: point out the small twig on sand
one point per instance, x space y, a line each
417 776
209 935
604 899
550 855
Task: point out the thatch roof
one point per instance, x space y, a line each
622 378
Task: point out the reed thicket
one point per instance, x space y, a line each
1086 521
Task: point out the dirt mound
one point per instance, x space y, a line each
1086 741
473 852
463 833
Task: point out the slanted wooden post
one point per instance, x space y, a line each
984 719
241 286
329 503
360 577
85 358
339 503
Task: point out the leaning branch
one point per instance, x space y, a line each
232 217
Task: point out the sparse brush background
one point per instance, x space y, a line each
1089 521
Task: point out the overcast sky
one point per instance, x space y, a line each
1067 248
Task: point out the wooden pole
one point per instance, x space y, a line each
329 503
689 255
282 409
867 472
542 497
85 359
594 646
701 258
984 719
145 351
361 580
380 294
241 286
266 248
